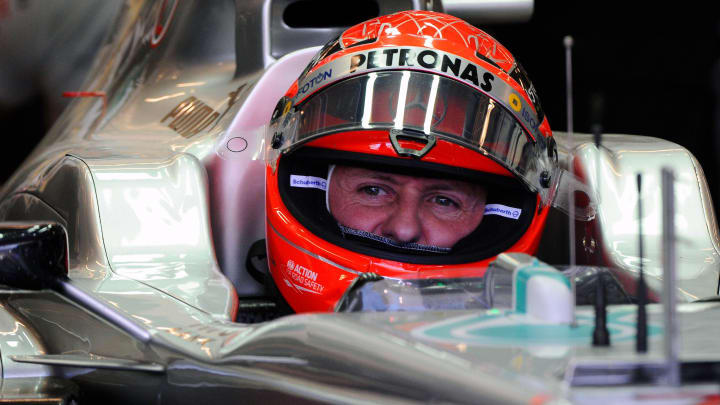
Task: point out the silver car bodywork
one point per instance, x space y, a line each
160 186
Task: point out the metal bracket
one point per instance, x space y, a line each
415 136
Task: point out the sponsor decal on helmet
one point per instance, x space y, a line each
417 58
308 182
515 103
287 107
503 211
303 278
530 119
314 80
428 59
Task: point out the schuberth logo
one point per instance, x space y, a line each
308 182
503 211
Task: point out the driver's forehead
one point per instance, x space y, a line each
351 175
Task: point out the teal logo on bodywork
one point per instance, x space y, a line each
507 328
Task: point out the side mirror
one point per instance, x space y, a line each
33 256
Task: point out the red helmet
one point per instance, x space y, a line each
415 109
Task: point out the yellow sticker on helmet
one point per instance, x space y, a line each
287 107
515 102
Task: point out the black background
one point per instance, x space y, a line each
651 70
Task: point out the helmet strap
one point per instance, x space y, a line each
408 246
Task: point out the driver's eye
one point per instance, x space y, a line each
444 201
371 190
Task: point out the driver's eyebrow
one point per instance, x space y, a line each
441 185
384 177
437 185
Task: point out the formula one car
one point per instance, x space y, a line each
131 253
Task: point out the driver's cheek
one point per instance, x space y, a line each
437 230
444 226
366 217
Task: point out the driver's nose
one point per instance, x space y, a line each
404 224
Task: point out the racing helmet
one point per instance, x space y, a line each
411 95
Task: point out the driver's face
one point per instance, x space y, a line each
427 211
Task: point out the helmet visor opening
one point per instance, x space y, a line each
497 231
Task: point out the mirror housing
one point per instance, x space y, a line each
33 256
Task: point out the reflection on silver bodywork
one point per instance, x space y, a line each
17 338
156 228
237 176
100 362
622 156
46 198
